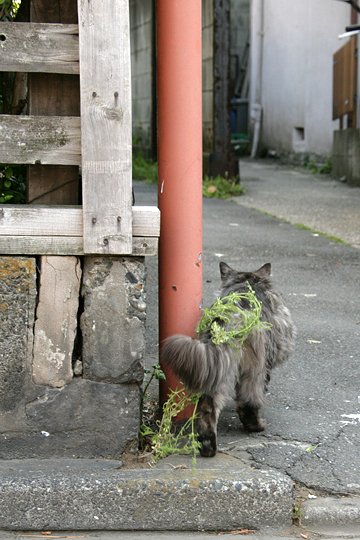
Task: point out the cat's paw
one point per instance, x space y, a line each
255 427
208 444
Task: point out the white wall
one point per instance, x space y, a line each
291 71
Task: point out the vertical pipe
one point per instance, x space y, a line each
179 57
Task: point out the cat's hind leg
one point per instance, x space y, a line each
249 400
251 383
250 418
208 415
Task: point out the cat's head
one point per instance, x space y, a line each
231 277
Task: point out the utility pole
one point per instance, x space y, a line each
179 65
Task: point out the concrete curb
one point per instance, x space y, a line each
98 495
332 511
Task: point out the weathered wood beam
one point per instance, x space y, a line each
40 139
105 94
65 245
39 47
66 221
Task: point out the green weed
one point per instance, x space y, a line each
230 323
318 168
144 169
168 439
221 188
311 448
298 514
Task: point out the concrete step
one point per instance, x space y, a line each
220 493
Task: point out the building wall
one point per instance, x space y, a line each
291 71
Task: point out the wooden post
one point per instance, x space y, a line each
105 82
180 170
222 160
53 95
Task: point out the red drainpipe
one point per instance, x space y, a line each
179 57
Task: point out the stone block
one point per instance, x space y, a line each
17 313
56 320
113 320
84 419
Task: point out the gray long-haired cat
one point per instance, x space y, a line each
223 372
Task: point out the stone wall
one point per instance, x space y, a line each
71 361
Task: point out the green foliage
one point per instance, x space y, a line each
155 373
221 188
150 374
164 437
318 168
12 184
166 440
298 513
311 448
8 9
144 169
228 322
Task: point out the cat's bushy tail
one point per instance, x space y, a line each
201 366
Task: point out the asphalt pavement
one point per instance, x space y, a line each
306 464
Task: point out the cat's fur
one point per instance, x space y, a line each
222 372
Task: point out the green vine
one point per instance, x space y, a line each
228 322
167 439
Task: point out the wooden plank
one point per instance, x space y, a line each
145 221
144 246
60 245
37 47
105 97
31 220
40 139
344 80
40 245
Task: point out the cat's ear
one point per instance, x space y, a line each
225 271
264 271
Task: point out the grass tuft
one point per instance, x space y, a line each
221 188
